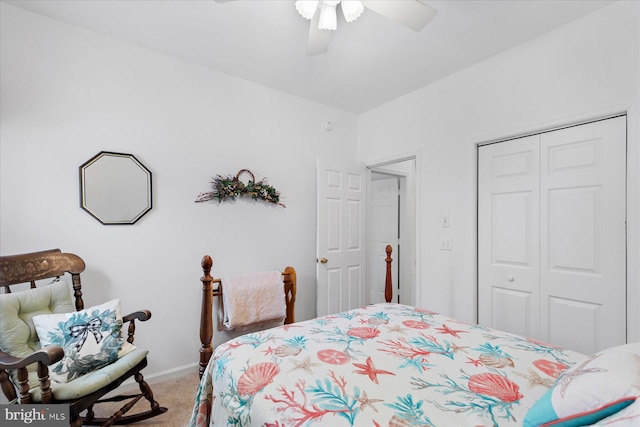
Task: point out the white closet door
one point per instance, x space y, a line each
508 244
552 238
582 235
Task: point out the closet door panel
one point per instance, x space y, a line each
508 265
582 235
512 310
573 235
573 317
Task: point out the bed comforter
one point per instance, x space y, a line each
381 365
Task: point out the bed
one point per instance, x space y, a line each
393 365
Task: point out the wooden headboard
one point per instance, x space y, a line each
206 313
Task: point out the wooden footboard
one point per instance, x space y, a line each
211 287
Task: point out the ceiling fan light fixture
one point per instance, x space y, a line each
351 9
307 8
328 19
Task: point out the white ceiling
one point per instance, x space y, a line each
370 61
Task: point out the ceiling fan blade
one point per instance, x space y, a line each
410 13
318 41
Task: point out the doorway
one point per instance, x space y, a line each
391 220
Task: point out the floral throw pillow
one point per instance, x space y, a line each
90 338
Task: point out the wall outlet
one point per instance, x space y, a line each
446 244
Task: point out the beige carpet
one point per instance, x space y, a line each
178 395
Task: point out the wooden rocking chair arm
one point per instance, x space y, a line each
46 355
141 315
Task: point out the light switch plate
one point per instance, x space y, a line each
446 244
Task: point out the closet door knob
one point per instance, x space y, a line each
510 278
323 260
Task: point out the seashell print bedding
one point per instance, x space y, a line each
378 366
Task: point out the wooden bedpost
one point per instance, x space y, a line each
388 286
290 284
206 324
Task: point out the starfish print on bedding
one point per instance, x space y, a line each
396 328
447 330
366 402
474 362
235 345
456 348
535 379
566 379
370 370
269 351
305 364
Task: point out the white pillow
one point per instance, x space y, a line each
90 338
603 384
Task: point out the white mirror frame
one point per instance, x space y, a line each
115 188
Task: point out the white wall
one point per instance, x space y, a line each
586 69
68 93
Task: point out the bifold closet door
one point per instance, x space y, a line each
552 255
582 235
508 230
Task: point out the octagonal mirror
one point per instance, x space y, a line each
115 188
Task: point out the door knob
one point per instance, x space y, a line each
510 278
323 260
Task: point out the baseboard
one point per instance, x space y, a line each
180 371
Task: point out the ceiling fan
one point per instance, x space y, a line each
323 15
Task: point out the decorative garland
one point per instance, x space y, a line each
230 187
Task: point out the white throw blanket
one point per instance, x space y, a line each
253 298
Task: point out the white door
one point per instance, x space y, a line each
508 236
582 235
383 231
341 252
563 220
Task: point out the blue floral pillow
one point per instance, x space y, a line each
90 338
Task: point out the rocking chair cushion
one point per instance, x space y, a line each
90 338
90 382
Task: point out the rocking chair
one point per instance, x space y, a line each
31 369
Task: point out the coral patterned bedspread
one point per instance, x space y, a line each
381 365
